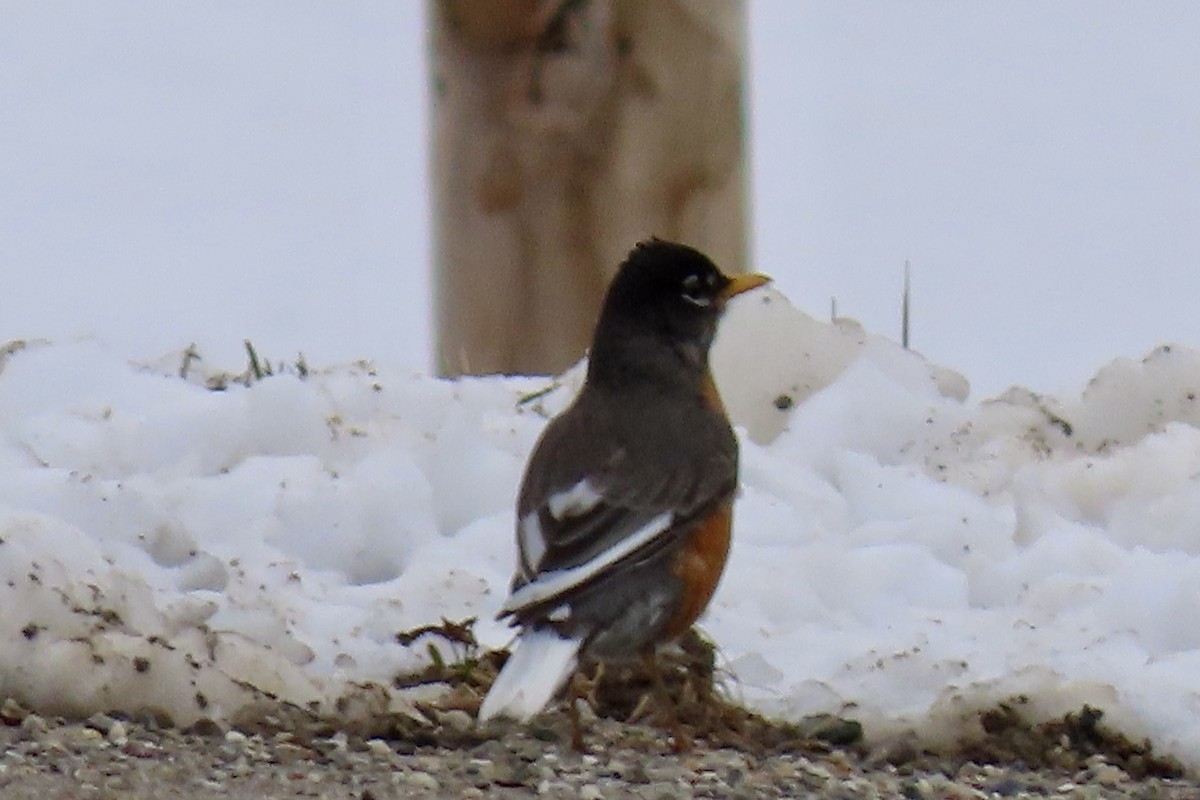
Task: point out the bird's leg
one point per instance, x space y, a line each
668 713
573 697
594 686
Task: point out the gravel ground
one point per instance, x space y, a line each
105 757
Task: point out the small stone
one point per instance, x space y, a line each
100 722
457 720
492 749
423 780
12 712
916 788
1007 787
288 753
1109 775
137 749
482 770
82 738
590 791
379 748
513 773
34 725
430 764
636 774
117 734
542 733
817 771
235 737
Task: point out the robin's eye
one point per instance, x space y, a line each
696 291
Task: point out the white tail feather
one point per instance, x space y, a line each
540 664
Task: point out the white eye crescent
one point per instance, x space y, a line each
696 292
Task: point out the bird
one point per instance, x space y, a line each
624 513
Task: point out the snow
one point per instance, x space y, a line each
903 555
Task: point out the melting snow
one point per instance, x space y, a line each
903 554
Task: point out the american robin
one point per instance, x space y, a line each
623 518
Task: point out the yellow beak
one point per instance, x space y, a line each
743 283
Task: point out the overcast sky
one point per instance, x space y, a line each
210 172
1038 163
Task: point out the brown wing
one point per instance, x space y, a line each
599 491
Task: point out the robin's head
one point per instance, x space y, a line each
665 299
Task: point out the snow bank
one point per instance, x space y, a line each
902 555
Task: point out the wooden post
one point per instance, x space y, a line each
564 131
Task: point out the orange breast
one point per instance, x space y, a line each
698 566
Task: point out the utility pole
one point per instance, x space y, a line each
564 131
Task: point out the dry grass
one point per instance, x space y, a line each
700 700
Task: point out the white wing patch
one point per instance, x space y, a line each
531 544
579 499
555 582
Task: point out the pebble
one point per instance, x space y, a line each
483 770
513 772
42 757
1007 787
33 725
1108 775
100 722
423 780
549 786
379 748
457 720
12 712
